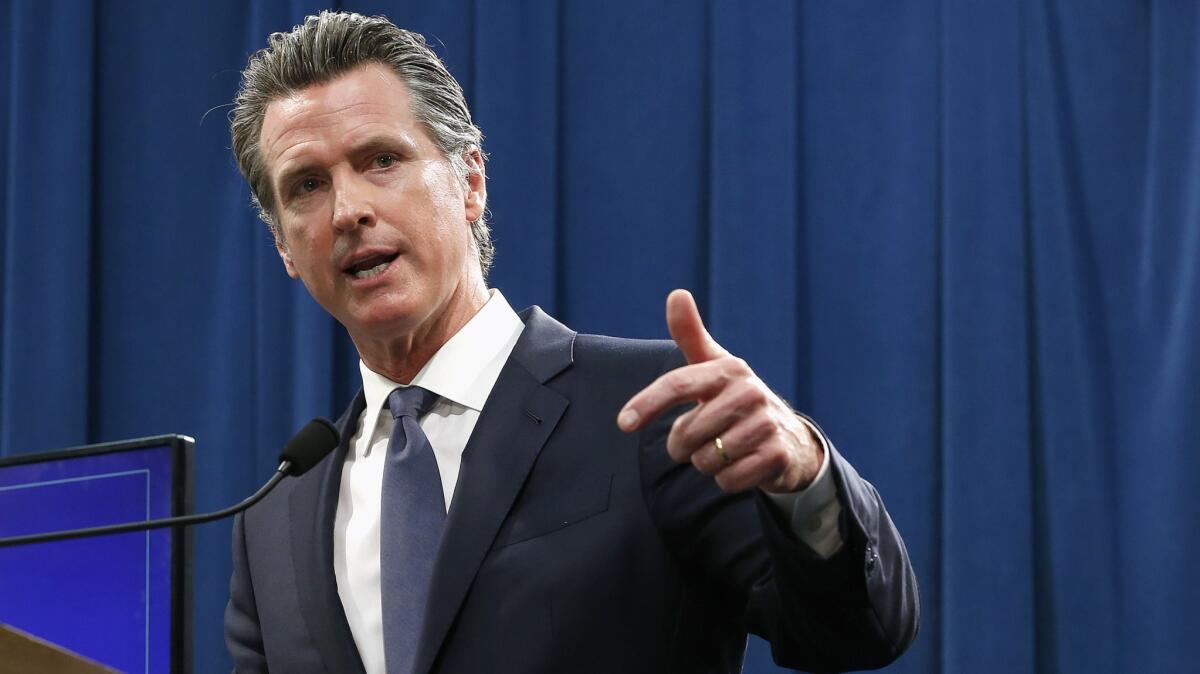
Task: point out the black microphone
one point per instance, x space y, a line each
307 447
303 451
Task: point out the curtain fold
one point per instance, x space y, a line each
49 228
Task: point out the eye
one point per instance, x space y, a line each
385 160
303 187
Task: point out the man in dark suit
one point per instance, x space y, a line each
509 495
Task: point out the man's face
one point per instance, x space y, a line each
374 220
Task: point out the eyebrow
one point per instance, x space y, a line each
373 144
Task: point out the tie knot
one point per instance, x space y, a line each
410 401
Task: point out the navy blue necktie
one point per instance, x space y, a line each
410 527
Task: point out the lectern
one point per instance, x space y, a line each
21 653
119 600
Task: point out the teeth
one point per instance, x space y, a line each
368 273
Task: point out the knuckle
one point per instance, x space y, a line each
725 378
752 395
725 482
676 385
678 426
738 366
676 454
681 430
775 461
762 428
718 374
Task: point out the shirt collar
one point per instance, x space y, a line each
464 370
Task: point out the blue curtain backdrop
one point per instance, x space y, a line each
963 235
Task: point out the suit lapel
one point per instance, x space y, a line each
313 504
517 419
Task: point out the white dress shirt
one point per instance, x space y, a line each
463 373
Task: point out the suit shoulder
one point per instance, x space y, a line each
640 355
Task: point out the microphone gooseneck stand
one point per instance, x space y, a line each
302 452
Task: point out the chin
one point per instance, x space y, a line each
390 321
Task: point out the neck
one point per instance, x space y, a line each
400 358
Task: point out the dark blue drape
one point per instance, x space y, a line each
963 235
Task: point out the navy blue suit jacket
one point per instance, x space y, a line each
573 547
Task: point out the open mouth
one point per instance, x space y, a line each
370 266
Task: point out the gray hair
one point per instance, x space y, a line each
327 46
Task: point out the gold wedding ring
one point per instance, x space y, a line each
721 450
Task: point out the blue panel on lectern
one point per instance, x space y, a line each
117 599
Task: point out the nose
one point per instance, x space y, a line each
352 206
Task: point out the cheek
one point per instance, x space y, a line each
444 193
303 250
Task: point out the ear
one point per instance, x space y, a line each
475 198
281 248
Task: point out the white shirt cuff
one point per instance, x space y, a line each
813 512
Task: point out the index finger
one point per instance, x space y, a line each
690 383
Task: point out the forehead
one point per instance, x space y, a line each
368 99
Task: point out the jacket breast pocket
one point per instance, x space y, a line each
539 512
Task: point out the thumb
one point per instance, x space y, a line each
683 320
